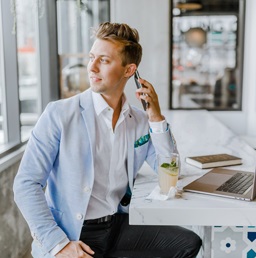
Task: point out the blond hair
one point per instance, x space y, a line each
124 34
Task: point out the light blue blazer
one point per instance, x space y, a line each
55 178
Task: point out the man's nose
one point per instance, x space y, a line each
93 66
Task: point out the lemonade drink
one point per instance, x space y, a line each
168 174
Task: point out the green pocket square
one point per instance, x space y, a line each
142 140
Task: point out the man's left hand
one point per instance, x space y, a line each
148 93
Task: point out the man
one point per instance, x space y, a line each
86 151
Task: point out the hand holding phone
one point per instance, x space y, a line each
138 84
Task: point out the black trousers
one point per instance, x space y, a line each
118 239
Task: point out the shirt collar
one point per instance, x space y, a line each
100 104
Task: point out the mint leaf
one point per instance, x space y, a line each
173 164
165 165
168 165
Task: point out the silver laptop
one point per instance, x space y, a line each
228 183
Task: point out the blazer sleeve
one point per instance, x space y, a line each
32 176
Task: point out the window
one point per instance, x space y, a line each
9 92
18 72
26 63
74 41
29 61
206 54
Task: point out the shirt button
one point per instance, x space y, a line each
79 216
87 189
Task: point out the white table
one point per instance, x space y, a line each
196 133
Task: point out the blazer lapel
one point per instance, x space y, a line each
87 112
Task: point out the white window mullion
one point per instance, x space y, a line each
10 108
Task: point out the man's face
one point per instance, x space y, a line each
106 73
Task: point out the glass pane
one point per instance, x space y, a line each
74 42
27 65
206 68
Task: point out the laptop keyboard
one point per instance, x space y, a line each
237 184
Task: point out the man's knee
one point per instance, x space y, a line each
194 244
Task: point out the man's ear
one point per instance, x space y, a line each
131 68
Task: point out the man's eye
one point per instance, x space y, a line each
91 58
103 60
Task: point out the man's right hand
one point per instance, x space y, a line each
75 249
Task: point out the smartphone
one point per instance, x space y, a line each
138 84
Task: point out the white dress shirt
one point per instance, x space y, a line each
110 170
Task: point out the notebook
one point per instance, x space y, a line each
228 183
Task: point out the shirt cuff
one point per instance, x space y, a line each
158 127
59 247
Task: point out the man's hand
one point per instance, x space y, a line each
147 92
75 249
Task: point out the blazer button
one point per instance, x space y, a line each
79 216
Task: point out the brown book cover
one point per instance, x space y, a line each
214 160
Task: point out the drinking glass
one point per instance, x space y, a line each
168 171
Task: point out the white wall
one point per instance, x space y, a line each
152 19
244 122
